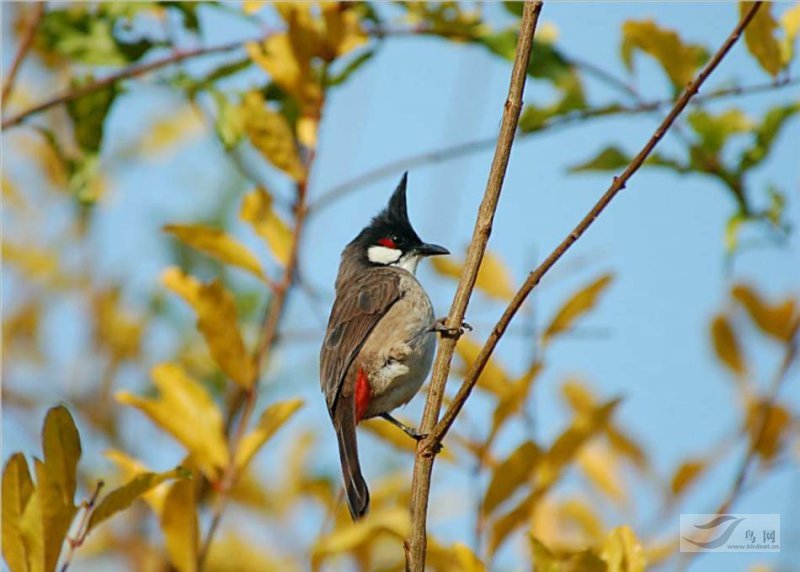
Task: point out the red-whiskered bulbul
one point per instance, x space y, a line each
380 339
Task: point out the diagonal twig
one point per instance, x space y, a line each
480 144
617 185
416 543
25 43
126 73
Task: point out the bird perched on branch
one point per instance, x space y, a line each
380 339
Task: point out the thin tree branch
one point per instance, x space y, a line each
269 332
461 149
435 437
126 73
25 43
416 543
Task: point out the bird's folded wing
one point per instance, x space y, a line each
358 307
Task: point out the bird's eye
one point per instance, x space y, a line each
388 242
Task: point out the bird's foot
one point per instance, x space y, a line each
410 431
441 327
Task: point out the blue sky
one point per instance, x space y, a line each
662 238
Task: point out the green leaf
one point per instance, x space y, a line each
88 37
547 61
765 135
88 114
571 98
715 130
679 60
612 158
121 498
514 7
609 159
350 68
17 491
759 36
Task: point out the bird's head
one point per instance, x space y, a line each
390 240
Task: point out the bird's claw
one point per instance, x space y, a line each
441 327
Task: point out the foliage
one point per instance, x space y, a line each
214 401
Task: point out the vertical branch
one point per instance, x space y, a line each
25 43
246 399
420 489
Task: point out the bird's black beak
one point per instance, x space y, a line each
431 249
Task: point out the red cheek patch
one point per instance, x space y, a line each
387 242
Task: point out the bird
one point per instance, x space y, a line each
381 335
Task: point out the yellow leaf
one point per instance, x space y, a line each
258 212
217 321
132 468
186 411
168 132
273 418
35 264
122 497
270 133
574 308
466 559
290 71
685 475
777 320
182 284
514 399
494 378
790 22
726 345
61 446
493 279
769 440
760 38
503 526
17 491
543 559
393 522
510 474
114 328
580 513
32 530
217 244
229 553
56 515
622 551
679 60
599 467
396 437
567 445
179 525
343 31
252 6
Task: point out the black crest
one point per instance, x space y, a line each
393 219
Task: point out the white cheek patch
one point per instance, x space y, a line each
409 263
383 255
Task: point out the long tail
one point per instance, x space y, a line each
354 484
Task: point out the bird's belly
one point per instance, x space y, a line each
397 381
